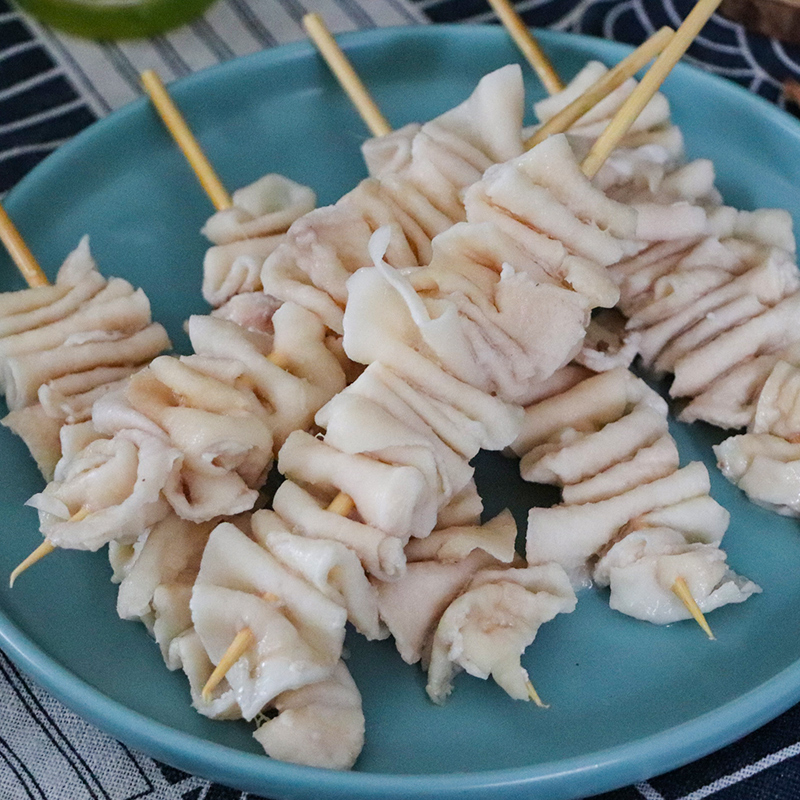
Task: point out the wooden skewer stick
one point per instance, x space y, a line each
534 695
681 589
648 86
20 253
345 74
527 45
44 549
615 77
185 139
241 643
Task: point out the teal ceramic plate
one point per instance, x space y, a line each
627 699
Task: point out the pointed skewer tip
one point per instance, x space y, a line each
45 548
534 695
681 589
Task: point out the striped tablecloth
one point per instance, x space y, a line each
53 86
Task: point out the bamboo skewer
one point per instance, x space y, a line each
346 75
615 77
683 592
185 139
527 45
44 549
241 643
648 86
20 253
34 276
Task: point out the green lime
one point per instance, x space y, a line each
115 19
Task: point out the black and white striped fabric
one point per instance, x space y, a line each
53 86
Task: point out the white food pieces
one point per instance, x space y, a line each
328 565
418 196
765 462
156 574
293 372
267 206
716 311
629 518
395 498
111 489
319 725
487 628
65 345
642 568
247 233
297 631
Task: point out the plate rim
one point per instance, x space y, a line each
599 771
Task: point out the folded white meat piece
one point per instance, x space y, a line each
418 196
571 534
395 498
584 405
156 574
412 606
80 324
487 628
233 269
265 207
590 449
306 514
319 725
484 341
765 461
390 153
642 568
730 401
328 565
464 508
187 652
768 331
209 412
455 542
247 233
778 407
309 373
438 570
356 424
297 632
110 489
765 467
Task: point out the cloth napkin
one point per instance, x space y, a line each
52 86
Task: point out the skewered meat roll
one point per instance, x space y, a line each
630 518
194 433
247 233
297 631
64 346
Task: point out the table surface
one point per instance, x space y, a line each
53 86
